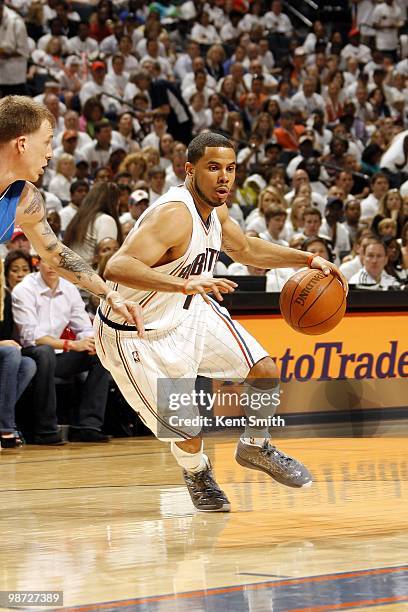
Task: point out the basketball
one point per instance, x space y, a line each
312 303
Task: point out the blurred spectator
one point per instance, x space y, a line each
379 185
14 52
78 190
373 275
334 230
65 171
43 306
138 202
352 213
394 265
96 219
255 221
16 370
156 178
312 221
18 241
275 217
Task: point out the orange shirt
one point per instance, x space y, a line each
289 140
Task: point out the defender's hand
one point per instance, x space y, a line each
329 268
130 311
203 285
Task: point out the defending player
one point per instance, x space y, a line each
167 260
26 132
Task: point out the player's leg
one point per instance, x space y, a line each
231 353
254 450
146 372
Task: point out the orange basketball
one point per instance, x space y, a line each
312 303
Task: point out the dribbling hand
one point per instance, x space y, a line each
130 311
203 285
329 268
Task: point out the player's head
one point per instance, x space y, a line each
26 131
210 168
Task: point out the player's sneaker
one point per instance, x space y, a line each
205 494
269 459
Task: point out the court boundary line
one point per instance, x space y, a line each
256 586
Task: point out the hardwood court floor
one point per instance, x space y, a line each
114 523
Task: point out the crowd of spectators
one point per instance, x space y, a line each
319 117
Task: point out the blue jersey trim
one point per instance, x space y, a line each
8 204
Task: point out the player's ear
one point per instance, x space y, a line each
189 168
21 144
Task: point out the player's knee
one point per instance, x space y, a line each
264 374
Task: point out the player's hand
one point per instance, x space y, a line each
130 311
203 285
86 345
328 267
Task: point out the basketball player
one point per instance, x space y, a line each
26 132
166 265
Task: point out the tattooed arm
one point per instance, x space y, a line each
32 217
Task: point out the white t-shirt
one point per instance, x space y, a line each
369 207
389 16
103 227
363 278
351 267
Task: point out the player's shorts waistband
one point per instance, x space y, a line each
113 325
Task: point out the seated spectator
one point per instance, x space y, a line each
312 221
135 164
197 110
166 145
319 246
355 263
176 173
43 306
294 224
334 230
92 113
156 178
352 213
394 265
404 245
379 185
60 184
16 370
78 190
158 128
391 206
255 221
19 241
96 219
275 217
373 275
288 134
386 228
124 196
106 248
82 43
126 134
97 153
234 210
138 202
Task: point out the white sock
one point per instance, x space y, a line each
192 462
255 441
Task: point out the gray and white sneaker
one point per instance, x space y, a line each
269 459
205 493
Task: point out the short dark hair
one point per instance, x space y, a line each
77 185
196 148
327 243
99 125
12 256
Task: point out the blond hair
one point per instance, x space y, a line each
20 115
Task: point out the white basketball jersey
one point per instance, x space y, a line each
162 310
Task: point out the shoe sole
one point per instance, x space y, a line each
224 508
250 466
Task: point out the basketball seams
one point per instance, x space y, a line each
315 300
290 303
325 320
